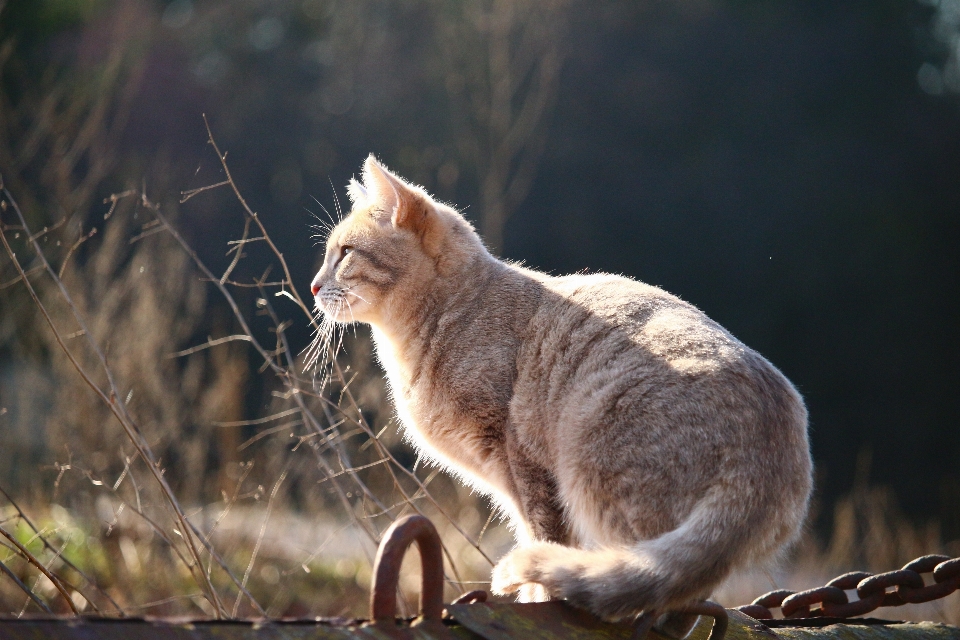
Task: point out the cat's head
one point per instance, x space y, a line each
383 258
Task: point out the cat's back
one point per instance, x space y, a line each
616 376
626 347
626 319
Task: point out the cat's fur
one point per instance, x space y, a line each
641 451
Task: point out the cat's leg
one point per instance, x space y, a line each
537 495
543 518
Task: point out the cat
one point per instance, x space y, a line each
640 451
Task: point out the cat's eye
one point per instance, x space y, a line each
345 250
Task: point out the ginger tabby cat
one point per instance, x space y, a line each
640 451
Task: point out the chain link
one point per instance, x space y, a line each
889 589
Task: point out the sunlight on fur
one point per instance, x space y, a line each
604 416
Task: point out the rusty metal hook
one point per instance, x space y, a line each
646 620
386 568
713 610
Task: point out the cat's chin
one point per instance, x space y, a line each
345 315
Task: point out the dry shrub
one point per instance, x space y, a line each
143 302
205 503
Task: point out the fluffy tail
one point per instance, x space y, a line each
653 575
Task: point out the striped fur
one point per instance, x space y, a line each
640 451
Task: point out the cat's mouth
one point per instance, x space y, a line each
331 308
340 307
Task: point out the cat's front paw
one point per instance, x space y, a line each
533 592
508 576
516 573
519 571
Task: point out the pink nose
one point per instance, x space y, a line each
314 289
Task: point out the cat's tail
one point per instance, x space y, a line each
664 573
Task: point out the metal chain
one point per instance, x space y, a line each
890 589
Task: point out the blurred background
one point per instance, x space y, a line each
789 167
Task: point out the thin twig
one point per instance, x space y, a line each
352 470
117 407
186 195
245 423
485 525
248 285
29 272
114 199
74 247
45 230
239 254
66 560
40 603
266 432
58 553
157 603
210 343
256 219
228 503
40 567
154 526
145 234
263 529
226 569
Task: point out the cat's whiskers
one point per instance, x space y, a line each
321 222
329 217
323 334
336 201
324 227
357 295
316 347
353 319
330 355
322 233
340 334
346 298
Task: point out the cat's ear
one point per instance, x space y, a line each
357 192
388 193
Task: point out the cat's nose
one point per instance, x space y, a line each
314 289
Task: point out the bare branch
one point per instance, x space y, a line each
28 273
41 568
186 195
239 252
114 199
66 560
40 603
211 343
74 247
145 234
113 400
271 418
263 529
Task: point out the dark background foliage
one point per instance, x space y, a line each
779 164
